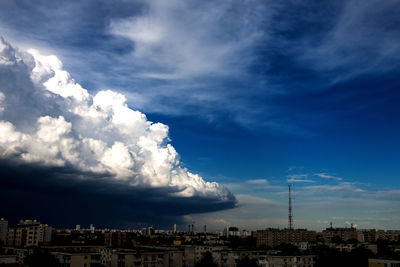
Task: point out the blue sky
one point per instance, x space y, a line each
256 95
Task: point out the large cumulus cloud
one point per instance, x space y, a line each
48 120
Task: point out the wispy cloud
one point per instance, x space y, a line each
171 46
209 58
292 180
358 41
340 188
328 176
390 194
299 178
258 181
359 218
251 185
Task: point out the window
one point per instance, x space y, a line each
95 257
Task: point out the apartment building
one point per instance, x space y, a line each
273 237
29 233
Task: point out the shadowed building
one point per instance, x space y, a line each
3 231
273 237
342 233
29 233
115 239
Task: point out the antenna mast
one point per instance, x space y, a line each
290 217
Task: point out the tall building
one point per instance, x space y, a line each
3 230
273 237
115 239
11 236
233 231
29 233
174 227
342 233
368 235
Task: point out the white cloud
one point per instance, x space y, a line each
47 118
258 181
292 180
299 178
328 176
179 39
343 187
359 41
2 98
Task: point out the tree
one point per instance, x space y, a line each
287 249
206 261
352 241
337 239
247 262
42 259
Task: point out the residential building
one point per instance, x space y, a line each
78 259
383 263
342 233
3 231
29 233
115 238
287 261
273 237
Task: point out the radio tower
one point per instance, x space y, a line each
290 217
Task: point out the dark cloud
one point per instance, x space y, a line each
64 197
142 186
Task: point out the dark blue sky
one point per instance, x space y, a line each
256 94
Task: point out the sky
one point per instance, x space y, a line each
136 113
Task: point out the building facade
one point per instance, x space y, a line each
342 233
29 233
273 237
3 231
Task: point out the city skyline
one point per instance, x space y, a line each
152 113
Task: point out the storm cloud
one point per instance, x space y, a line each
91 149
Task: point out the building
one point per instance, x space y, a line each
8 259
232 231
390 235
92 228
273 237
115 238
149 231
342 233
19 253
287 261
140 257
78 259
29 233
383 263
11 236
368 235
3 231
